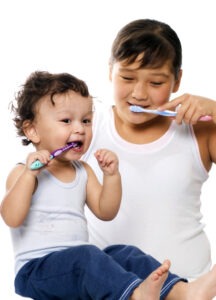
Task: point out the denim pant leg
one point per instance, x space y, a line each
132 259
82 272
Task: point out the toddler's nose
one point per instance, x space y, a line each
77 127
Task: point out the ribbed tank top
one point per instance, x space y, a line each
56 218
160 209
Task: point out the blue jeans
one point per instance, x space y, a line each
85 272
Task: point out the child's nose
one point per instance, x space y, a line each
140 92
78 127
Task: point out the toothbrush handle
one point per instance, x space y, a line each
205 118
37 164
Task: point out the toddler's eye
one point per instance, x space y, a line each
87 121
68 121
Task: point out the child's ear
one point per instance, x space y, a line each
110 71
177 82
31 132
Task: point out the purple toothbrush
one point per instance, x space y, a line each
37 164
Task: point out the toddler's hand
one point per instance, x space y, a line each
43 156
108 161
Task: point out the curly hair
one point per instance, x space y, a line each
38 85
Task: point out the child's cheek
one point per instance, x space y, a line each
161 97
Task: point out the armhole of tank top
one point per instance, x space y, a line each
195 147
79 167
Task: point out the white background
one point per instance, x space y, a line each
75 36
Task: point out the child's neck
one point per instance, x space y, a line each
64 172
142 134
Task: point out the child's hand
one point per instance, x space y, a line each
190 108
43 156
108 161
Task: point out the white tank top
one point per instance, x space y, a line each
56 218
160 210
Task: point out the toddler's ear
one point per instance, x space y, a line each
31 132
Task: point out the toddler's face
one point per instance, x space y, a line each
69 120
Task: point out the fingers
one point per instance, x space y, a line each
173 104
107 160
43 156
105 157
191 108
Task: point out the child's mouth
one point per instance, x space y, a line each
76 143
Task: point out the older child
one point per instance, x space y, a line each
163 164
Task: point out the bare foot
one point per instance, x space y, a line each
150 288
203 288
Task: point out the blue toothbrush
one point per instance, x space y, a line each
37 164
166 113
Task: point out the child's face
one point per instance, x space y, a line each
69 120
146 87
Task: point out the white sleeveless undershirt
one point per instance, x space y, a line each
160 210
56 218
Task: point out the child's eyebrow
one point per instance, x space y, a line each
153 73
159 73
127 70
90 112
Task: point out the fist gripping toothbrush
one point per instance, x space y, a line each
166 113
37 164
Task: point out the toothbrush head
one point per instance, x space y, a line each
58 152
136 108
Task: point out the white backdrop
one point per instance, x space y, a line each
75 36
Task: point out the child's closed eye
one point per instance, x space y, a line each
127 78
156 83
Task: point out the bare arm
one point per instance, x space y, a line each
15 205
104 201
20 186
191 109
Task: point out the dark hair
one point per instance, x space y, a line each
38 85
157 41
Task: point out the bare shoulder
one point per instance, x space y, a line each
205 130
87 167
92 178
14 173
205 133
